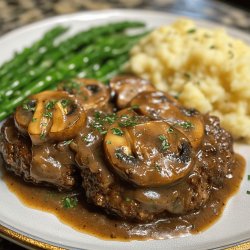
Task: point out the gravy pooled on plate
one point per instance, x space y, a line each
127 159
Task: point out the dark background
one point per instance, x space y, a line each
16 13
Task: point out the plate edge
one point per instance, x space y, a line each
26 241
30 242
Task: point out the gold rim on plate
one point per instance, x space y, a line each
25 240
29 242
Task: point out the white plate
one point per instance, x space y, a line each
34 227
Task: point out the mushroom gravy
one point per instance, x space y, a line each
88 219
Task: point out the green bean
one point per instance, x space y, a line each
20 58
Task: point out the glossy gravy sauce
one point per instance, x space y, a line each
87 219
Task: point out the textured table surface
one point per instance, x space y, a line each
17 13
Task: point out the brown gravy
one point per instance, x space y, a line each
87 219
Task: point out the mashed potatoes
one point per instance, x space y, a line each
205 69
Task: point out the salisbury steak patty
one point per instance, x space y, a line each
16 150
153 158
106 189
37 163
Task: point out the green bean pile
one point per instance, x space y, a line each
98 52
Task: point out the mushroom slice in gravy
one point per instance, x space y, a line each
160 105
55 116
146 153
92 93
126 88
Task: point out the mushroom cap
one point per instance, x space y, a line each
125 88
92 93
147 154
55 116
159 105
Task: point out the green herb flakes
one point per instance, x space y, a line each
117 131
67 142
65 103
88 138
42 136
186 124
48 114
28 105
164 142
119 155
170 130
128 121
100 121
50 105
70 202
190 31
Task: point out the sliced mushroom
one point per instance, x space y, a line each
55 116
92 93
125 88
24 114
159 105
148 154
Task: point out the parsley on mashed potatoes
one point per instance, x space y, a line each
205 69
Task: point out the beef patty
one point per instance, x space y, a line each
47 164
149 159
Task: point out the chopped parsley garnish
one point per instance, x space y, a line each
100 120
164 142
248 177
97 115
42 136
50 105
44 124
88 138
48 114
65 103
186 125
248 192
127 121
103 132
70 202
67 142
117 131
34 119
170 130
119 155
212 47
190 31
110 118
108 142
28 105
